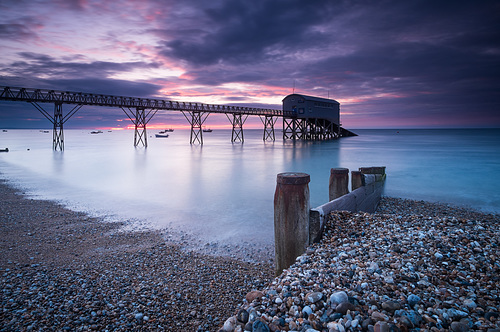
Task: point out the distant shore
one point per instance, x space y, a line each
64 270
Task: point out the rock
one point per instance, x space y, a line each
470 304
491 314
139 316
459 327
391 306
306 311
412 300
253 295
314 297
378 316
242 316
229 325
344 307
260 326
365 323
381 327
339 297
455 314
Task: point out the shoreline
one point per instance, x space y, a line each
64 270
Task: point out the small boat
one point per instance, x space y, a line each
96 132
4 150
169 130
5 130
161 135
205 130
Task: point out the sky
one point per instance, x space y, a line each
390 64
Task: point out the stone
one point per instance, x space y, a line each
242 316
253 295
470 304
378 316
412 300
229 324
260 326
344 307
314 297
459 327
339 297
381 327
391 306
306 311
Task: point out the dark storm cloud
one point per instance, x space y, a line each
43 65
241 31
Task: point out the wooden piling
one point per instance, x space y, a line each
291 218
356 180
339 182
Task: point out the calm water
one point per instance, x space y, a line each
224 191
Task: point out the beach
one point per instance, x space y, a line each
62 270
412 265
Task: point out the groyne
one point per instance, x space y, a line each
296 225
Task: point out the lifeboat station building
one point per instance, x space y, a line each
312 118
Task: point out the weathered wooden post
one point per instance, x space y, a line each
339 182
356 180
291 218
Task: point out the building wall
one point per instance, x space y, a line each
305 107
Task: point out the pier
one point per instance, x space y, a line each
296 125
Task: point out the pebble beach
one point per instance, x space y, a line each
412 266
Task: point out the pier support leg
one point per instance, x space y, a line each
140 118
237 122
339 182
196 120
268 127
140 136
57 121
58 133
294 128
291 218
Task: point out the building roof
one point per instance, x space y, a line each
311 98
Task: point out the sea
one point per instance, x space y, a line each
223 192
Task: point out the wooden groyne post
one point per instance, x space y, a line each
338 184
291 218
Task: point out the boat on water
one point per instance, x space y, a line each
96 132
4 150
207 130
166 131
5 130
160 135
